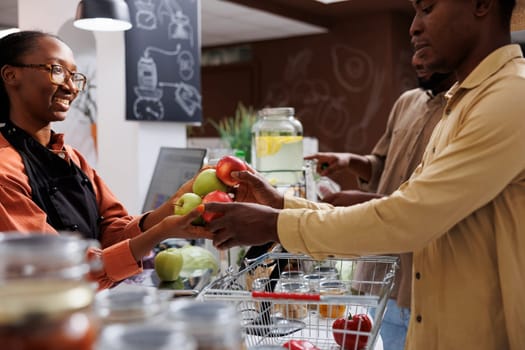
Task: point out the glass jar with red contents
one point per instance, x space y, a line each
45 299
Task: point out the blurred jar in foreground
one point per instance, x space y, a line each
45 300
332 287
144 337
129 306
213 325
277 146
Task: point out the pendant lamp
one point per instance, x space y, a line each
102 15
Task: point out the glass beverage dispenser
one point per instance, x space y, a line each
277 146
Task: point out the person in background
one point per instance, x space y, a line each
45 185
461 213
394 157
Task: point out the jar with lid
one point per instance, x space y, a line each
214 325
332 287
133 305
291 309
277 146
136 336
45 300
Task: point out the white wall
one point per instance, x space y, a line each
127 150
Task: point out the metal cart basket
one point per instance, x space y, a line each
283 297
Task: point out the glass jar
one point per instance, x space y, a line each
137 305
213 325
329 272
332 287
45 300
262 284
291 275
277 146
291 309
144 336
314 282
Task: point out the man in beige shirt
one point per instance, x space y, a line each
462 212
391 162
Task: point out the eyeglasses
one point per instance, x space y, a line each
59 74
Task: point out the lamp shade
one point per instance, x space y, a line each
102 15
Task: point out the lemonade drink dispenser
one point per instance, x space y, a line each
277 146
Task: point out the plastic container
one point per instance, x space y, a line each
45 299
277 146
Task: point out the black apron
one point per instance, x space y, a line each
60 188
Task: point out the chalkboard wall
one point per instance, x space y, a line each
163 81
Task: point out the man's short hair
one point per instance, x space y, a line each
506 7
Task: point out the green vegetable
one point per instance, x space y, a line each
197 260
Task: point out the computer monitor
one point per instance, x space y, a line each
174 167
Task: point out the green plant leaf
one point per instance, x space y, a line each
236 130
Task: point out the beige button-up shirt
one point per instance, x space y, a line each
462 214
395 156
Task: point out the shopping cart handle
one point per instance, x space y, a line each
295 296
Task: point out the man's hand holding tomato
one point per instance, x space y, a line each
254 188
260 218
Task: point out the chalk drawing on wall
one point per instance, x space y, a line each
186 65
171 42
333 116
80 126
145 17
355 70
148 104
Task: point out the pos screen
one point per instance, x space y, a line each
173 168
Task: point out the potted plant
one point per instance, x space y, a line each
236 131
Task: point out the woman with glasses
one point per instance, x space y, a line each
46 185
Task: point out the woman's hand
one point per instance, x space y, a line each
172 226
182 226
168 208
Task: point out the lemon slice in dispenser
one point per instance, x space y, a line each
270 145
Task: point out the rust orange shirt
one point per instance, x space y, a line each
19 213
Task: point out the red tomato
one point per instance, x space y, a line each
360 323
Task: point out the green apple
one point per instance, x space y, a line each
206 182
168 263
186 203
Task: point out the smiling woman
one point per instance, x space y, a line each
46 185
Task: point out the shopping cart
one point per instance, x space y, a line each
283 297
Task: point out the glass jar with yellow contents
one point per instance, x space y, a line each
277 146
332 287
